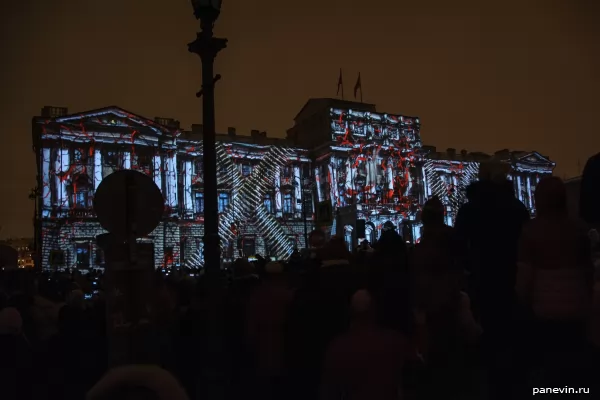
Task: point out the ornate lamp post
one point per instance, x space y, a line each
207 47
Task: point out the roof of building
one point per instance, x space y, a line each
324 103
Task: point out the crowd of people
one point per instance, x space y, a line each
488 309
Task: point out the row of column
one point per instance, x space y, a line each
527 182
297 205
63 168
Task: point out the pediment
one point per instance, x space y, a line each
114 118
534 158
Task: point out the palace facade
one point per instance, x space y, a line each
370 166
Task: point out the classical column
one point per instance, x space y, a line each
529 194
157 172
519 187
171 180
187 187
277 184
46 194
97 168
61 166
318 184
390 174
126 160
297 189
426 187
332 185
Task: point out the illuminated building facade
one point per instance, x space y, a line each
24 248
338 151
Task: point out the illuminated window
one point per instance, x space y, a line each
79 156
223 202
246 169
268 202
81 199
287 203
199 202
82 251
198 167
169 255
293 242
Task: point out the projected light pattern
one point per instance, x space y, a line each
447 180
76 152
250 202
374 161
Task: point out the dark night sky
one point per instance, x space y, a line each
518 74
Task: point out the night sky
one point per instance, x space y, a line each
519 74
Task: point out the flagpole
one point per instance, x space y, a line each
342 83
361 91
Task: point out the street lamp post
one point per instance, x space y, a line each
35 195
207 47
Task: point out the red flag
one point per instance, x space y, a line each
358 87
340 85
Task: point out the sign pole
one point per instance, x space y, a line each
128 205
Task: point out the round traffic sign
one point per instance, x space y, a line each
128 203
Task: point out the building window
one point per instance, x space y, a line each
287 203
199 202
246 169
268 202
293 242
308 203
198 167
249 246
223 171
144 162
113 159
169 255
56 258
82 251
80 199
223 202
79 157
287 172
100 261
306 171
